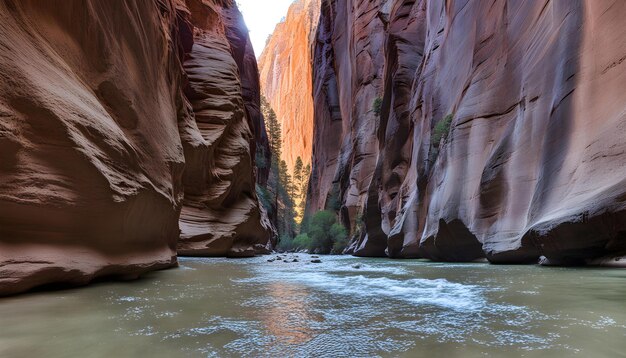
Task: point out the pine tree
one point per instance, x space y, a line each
287 214
297 188
285 178
280 182
274 132
297 174
304 187
306 175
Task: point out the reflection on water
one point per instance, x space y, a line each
285 317
251 307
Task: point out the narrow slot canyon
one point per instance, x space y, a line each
297 178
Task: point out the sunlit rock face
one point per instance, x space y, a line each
533 163
102 134
286 78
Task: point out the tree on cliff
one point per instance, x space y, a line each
286 214
306 175
286 179
301 179
274 131
274 136
299 193
297 175
277 196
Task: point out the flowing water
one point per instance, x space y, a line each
342 307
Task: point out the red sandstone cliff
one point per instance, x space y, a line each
286 78
533 163
348 72
104 137
221 214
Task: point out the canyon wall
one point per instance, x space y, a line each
105 137
221 215
499 132
348 71
286 78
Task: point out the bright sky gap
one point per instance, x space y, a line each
261 17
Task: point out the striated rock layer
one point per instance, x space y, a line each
95 130
533 161
286 78
221 215
348 72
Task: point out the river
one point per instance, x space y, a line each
342 307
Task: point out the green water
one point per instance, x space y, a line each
251 307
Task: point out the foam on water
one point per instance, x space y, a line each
343 306
366 282
417 291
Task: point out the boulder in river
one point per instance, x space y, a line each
241 252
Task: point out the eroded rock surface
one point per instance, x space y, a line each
95 130
221 215
534 158
348 72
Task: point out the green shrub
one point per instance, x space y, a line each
285 243
302 242
441 130
326 235
377 106
319 228
339 237
321 233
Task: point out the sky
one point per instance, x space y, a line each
261 17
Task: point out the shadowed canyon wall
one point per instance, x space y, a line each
105 137
286 78
500 131
348 71
221 215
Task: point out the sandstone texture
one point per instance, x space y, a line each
104 137
533 162
221 215
285 68
348 72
